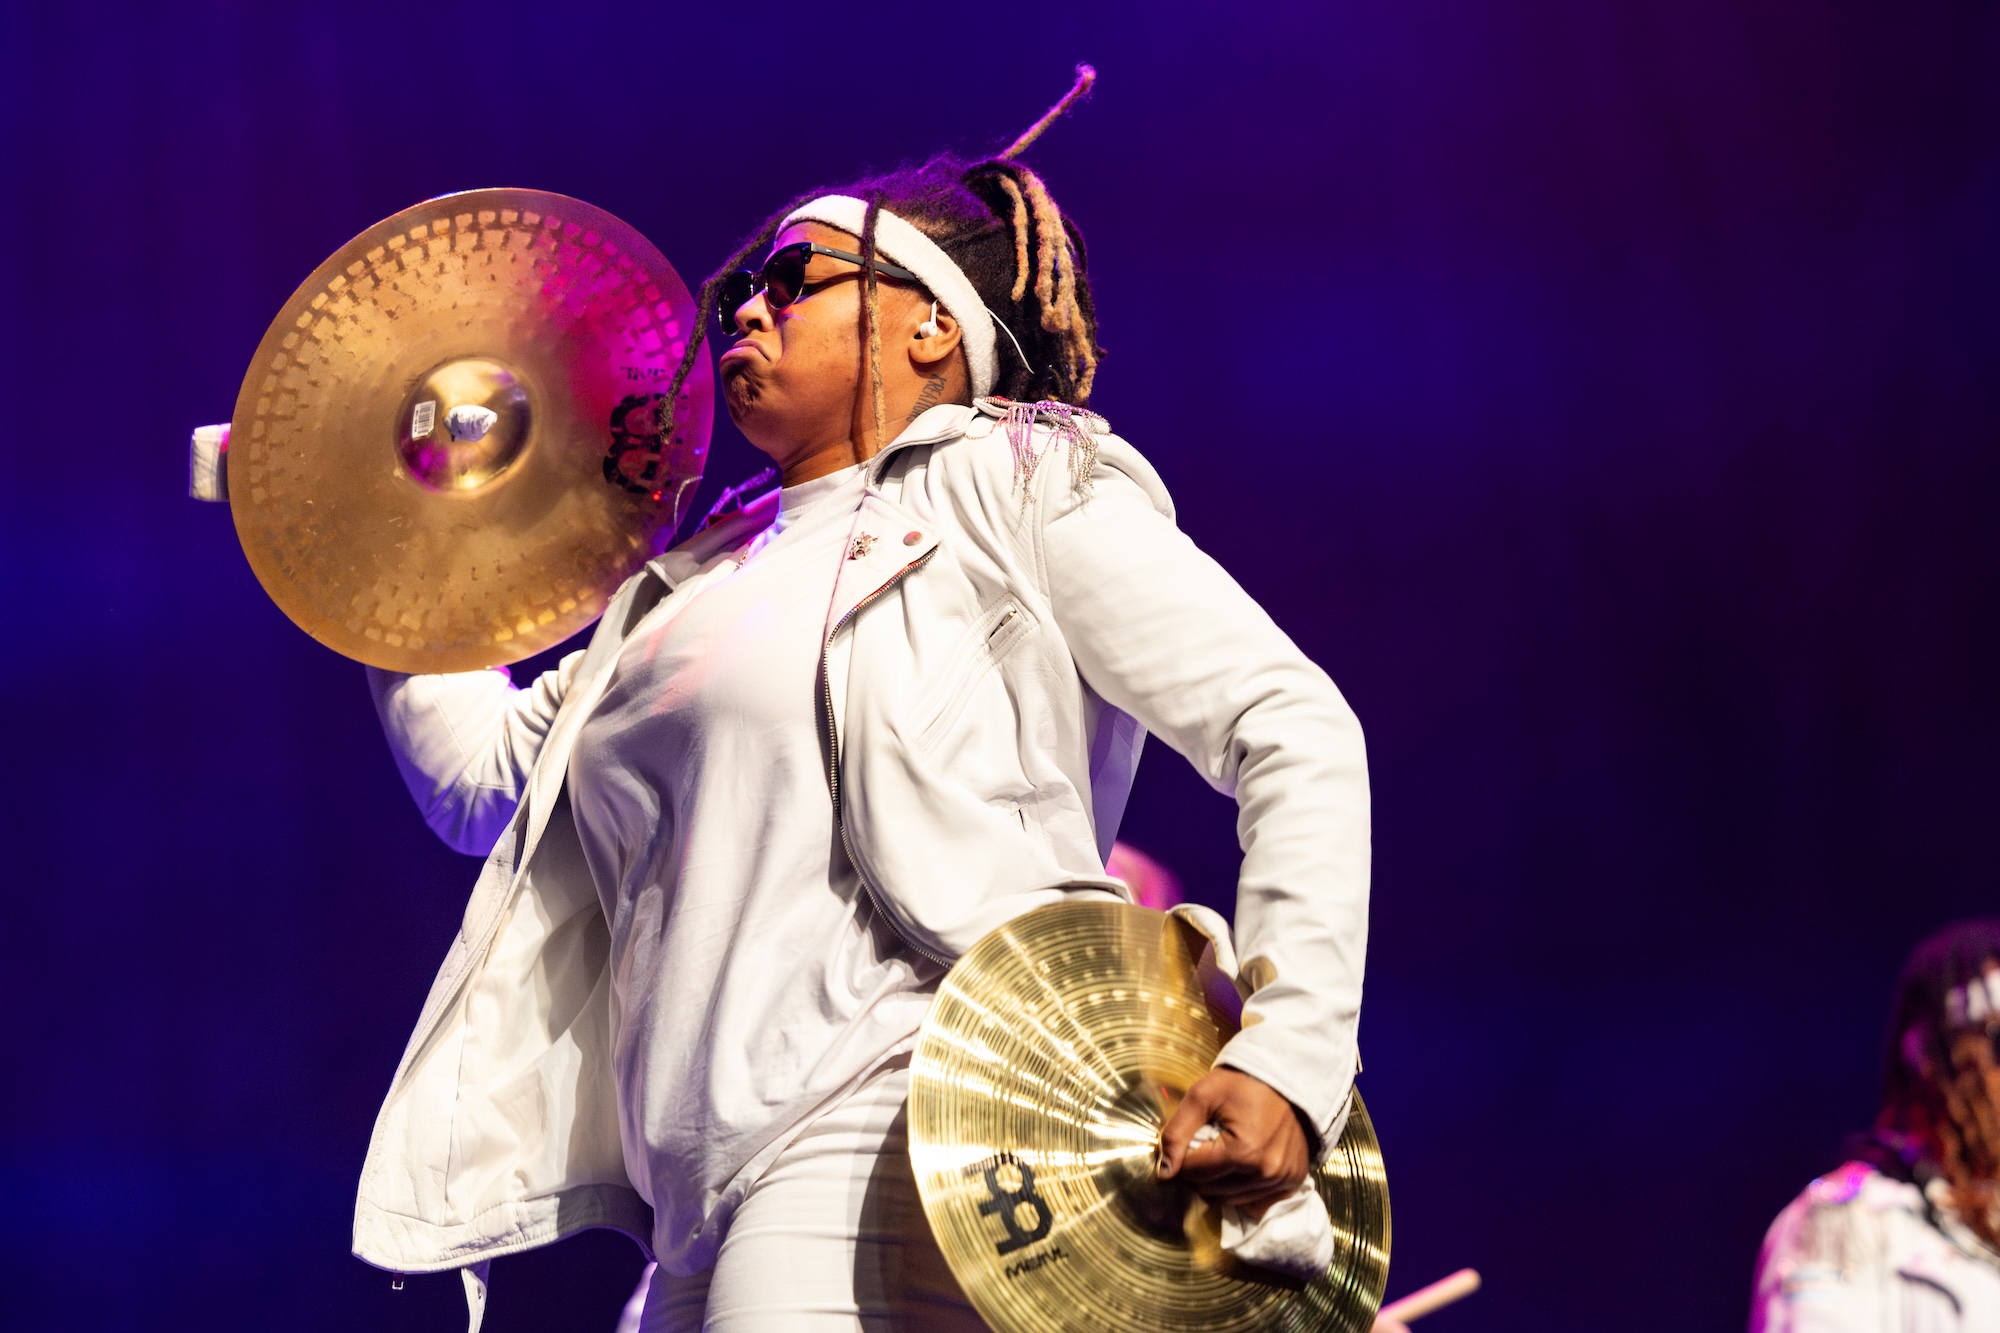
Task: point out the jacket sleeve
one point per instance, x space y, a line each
1159 630
466 743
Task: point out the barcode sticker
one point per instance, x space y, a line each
423 419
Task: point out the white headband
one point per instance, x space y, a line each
900 243
1974 1002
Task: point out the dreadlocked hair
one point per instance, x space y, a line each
997 221
1946 1100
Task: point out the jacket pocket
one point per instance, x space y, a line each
986 641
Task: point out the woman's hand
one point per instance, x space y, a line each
1260 1154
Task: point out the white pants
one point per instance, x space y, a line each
831 1237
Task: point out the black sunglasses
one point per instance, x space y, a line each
783 279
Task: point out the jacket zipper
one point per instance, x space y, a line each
833 754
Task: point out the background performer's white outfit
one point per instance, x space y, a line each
1858 1252
677 959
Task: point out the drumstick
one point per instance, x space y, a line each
1434 1297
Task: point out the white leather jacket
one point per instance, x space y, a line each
1859 1252
996 655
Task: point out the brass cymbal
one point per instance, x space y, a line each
446 452
1049 1062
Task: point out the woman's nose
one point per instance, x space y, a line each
754 313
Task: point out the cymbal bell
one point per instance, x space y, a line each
1049 1062
452 444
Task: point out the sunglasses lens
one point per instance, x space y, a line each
736 292
785 276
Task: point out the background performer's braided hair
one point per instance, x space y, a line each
1951 1112
1000 225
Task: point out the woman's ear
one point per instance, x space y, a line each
927 348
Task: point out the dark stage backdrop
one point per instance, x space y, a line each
1604 393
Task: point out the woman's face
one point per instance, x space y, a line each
1975 1057
791 379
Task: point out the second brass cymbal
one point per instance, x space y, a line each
452 444
1050 1060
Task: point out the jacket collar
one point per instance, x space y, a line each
677 565
942 422
681 563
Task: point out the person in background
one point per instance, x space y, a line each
1905 1236
1152 884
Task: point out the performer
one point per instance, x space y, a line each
824 746
1906 1235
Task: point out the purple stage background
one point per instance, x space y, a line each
1605 394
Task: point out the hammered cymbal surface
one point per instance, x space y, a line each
1048 1064
417 460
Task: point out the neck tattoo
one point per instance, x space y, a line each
927 397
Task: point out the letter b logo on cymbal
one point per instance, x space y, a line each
1010 1198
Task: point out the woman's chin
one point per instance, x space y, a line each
739 395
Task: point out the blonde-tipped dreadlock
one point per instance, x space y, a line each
1013 193
1085 77
1055 262
1055 278
871 319
998 222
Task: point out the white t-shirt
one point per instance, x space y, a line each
753 979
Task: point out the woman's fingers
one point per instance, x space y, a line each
1187 1119
1256 1153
